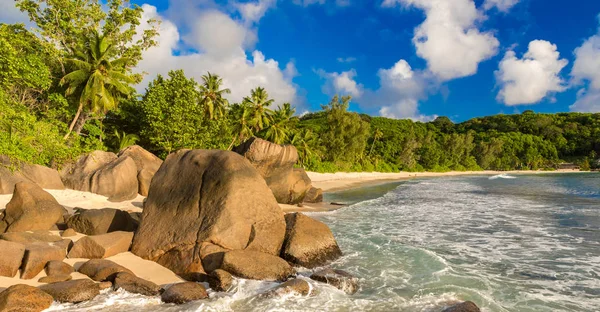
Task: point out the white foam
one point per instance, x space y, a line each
502 176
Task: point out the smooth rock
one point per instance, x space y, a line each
58 268
24 298
308 242
65 244
298 286
467 306
211 196
136 285
101 246
11 259
68 233
44 177
101 270
37 256
184 292
220 280
337 278
31 208
31 237
101 221
314 195
256 265
55 279
147 164
73 291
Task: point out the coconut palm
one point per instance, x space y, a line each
241 116
376 136
281 124
212 96
304 140
259 103
97 81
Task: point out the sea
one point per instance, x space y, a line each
507 242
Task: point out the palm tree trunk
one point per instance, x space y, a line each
231 145
80 123
372 145
72 125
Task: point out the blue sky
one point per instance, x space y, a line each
398 58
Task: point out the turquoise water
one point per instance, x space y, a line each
530 243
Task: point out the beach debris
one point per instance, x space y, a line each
24 298
30 209
147 164
308 242
12 256
101 270
339 279
256 265
101 246
184 292
136 285
220 280
37 255
73 291
275 163
217 196
101 221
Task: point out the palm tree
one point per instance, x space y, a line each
98 81
281 124
212 96
241 127
259 103
376 136
304 140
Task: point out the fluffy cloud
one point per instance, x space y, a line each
305 3
530 79
252 12
587 69
341 83
502 5
449 39
222 43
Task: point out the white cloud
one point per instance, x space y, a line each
348 59
252 12
305 3
221 41
586 69
530 79
502 5
449 39
341 83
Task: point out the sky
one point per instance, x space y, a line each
415 59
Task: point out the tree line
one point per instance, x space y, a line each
67 88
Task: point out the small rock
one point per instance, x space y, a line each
74 291
55 279
58 268
184 292
68 233
136 285
11 259
37 256
24 298
220 280
102 270
104 285
296 285
467 306
101 246
337 278
256 265
65 244
314 195
101 221
31 237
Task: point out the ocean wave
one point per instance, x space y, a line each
502 176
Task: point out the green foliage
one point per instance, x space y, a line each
211 96
124 140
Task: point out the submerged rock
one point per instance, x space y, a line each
339 279
467 306
101 221
24 298
136 285
308 242
298 286
74 291
101 246
220 280
213 196
256 265
30 209
101 270
184 292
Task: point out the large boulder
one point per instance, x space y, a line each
275 163
55 267
31 208
74 291
136 285
31 237
339 279
103 173
308 242
256 265
24 298
37 256
12 256
184 292
11 174
102 270
101 221
101 246
314 195
213 196
147 164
